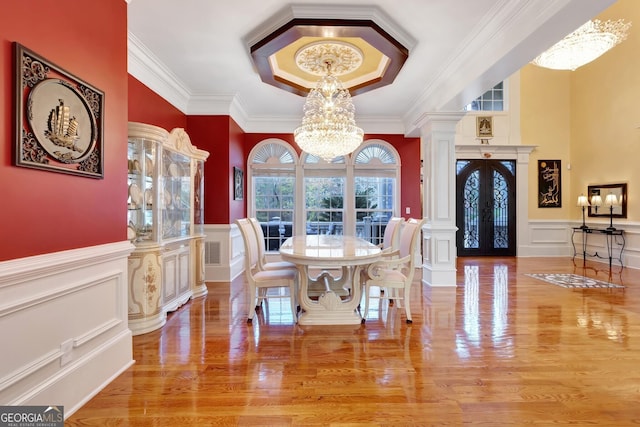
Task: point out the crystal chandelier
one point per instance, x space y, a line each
328 128
583 45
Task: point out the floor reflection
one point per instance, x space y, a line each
601 320
477 320
499 348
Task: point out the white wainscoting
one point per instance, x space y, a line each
548 238
545 239
63 325
224 252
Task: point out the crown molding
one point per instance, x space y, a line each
146 67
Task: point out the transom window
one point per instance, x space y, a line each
491 100
353 195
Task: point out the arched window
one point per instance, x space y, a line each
353 195
376 187
272 182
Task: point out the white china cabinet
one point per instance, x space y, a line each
165 222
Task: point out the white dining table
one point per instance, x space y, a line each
329 282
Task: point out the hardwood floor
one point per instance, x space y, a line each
499 349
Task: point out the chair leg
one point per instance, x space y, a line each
252 302
407 303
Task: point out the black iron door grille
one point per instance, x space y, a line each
485 208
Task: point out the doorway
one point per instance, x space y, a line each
486 207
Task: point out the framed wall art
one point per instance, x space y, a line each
238 184
484 126
59 118
549 184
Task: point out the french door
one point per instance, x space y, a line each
486 207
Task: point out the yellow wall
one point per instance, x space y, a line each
545 115
605 114
589 119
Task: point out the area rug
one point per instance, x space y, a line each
573 280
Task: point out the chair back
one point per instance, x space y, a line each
259 233
409 237
251 245
391 233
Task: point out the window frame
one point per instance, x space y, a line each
348 167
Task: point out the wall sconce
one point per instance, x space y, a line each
611 200
583 202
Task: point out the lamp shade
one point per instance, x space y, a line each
583 201
611 200
596 200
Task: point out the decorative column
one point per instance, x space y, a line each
439 198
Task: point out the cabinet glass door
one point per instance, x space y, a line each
176 195
141 164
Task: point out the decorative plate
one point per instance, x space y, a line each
148 163
173 170
62 121
131 233
148 196
135 194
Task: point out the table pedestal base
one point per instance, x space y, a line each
330 308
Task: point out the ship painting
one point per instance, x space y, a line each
62 128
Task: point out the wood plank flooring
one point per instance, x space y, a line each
500 349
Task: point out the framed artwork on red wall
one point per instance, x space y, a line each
238 184
59 118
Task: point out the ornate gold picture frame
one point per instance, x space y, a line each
484 126
59 118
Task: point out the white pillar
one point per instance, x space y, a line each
439 198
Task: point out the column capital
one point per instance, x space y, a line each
439 121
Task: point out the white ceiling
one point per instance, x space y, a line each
195 53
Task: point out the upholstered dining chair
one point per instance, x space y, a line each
396 273
389 245
262 256
391 234
259 280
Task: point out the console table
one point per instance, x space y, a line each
614 238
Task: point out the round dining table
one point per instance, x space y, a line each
329 279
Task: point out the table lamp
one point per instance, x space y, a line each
611 200
596 200
583 202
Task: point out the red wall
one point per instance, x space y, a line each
237 158
47 211
146 106
409 150
211 133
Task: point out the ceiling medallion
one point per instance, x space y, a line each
343 57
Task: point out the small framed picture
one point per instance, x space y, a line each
238 184
484 126
59 118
